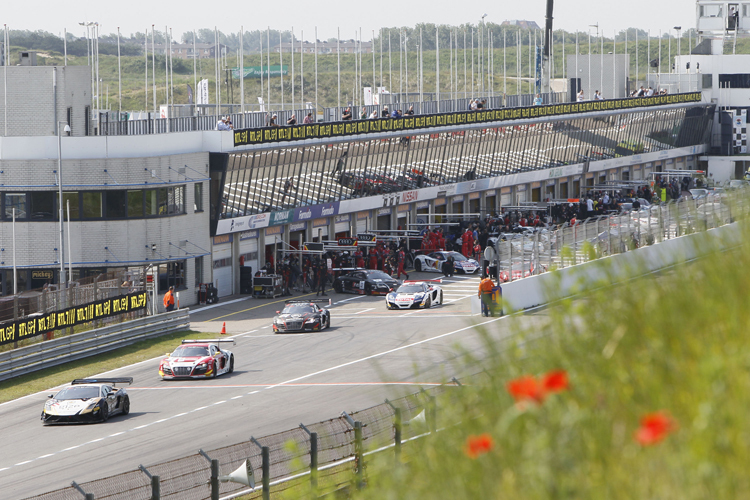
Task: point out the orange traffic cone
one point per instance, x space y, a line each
224 328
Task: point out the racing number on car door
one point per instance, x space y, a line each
361 285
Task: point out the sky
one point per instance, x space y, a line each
138 15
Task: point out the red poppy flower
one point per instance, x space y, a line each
526 387
478 445
654 427
555 381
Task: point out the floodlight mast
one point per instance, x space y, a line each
545 76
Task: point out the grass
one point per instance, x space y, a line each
58 375
676 344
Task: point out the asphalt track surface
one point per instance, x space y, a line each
280 381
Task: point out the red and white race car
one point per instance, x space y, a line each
198 359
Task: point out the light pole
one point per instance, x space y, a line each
481 53
62 280
679 43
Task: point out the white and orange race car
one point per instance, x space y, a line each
198 359
415 294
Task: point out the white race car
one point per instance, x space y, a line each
198 359
434 262
87 400
415 294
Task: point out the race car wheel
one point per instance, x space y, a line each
337 286
328 322
417 265
368 289
103 412
428 303
125 405
231 364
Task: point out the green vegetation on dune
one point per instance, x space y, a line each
673 349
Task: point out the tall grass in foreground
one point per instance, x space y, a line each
678 344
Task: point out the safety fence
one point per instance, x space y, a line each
534 251
113 124
321 457
54 352
39 302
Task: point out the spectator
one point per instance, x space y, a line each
288 188
641 92
598 96
347 114
538 100
273 123
650 92
579 97
410 111
473 104
363 114
229 123
222 124
169 299
485 294
292 120
385 113
308 118
396 113
481 104
374 114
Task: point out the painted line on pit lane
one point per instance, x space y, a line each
365 310
303 377
191 311
263 386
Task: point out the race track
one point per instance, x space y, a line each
368 354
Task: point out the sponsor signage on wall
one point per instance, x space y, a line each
13 331
355 127
297 226
223 239
238 224
248 235
270 231
282 217
320 222
316 212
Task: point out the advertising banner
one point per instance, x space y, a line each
355 127
13 331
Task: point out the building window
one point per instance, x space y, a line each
117 204
71 199
17 201
135 204
198 203
198 270
92 205
172 274
42 205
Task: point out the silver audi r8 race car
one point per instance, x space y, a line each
87 400
302 316
415 294
434 262
198 359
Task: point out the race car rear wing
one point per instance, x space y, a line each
208 341
309 301
113 381
423 281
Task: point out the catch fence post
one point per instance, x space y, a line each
155 488
358 454
313 461
397 433
314 464
265 454
214 479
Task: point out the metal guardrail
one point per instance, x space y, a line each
331 452
55 352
